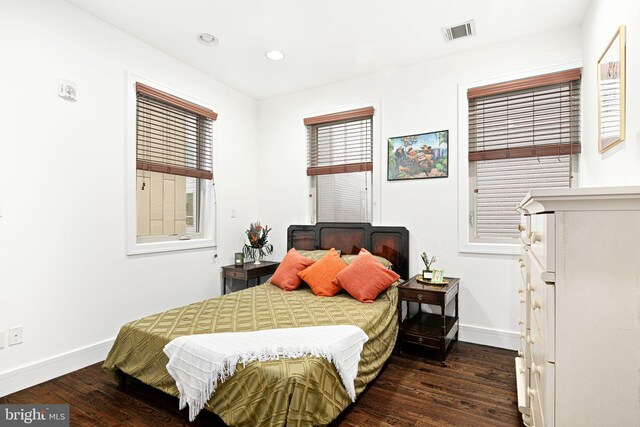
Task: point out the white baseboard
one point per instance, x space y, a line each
491 337
45 370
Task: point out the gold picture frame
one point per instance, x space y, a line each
438 276
611 92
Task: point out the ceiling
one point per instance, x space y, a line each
324 41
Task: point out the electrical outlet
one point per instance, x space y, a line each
15 335
2 339
67 89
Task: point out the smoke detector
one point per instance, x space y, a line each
460 31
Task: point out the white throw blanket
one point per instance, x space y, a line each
198 362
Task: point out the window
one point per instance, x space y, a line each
174 169
523 134
340 164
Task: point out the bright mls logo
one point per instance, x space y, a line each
34 415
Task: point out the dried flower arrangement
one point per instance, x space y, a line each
428 262
259 245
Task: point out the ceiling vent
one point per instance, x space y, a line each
459 31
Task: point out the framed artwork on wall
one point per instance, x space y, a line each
424 155
611 92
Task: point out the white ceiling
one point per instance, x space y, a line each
324 41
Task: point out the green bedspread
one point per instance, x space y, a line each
291 392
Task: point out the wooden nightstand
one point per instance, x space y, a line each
435 331
247 272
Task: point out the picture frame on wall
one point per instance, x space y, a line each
419 156
611 92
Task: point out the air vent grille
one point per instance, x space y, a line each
455 32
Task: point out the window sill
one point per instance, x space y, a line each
509 249
171 246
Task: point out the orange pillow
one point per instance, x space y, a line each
320 275
365 278
286 275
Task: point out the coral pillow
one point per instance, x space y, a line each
286 275
365 277
321 274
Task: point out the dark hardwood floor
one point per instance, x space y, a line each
477 388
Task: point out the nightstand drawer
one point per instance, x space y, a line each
236 275
419 296
420 340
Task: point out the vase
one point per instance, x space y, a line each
256 256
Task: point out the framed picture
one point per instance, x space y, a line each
611 92
438 276
424 155
239 259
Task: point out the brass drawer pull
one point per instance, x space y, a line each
420 340
420 296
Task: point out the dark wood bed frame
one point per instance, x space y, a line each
391 243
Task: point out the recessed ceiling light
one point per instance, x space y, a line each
274 55
207 39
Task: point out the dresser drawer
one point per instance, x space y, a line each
542 301
418 296
542 236
523 295
422 340
525 227
535 348
524 315
537 419
543 379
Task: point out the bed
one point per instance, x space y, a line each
301 392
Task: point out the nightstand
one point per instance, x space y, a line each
429 330
247 272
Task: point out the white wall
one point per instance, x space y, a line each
414 99
620 164
64 274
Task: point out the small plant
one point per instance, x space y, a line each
428 262
259 245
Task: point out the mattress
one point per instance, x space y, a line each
291 392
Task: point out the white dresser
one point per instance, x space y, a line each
579 363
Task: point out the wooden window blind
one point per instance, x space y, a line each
522 135
340 160
173 136
526 122
340 143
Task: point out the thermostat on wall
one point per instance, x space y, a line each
67 89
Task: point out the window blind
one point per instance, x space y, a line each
340 143
522 135
502 184
344 197
340 161
173 136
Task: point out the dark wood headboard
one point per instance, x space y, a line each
391 243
